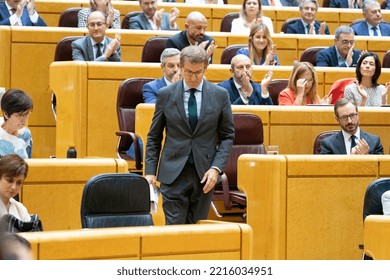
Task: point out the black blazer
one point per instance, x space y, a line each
298 28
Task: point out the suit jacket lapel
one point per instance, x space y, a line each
145 22
178 99
205 104
340 143
89 48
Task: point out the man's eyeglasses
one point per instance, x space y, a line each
190 73
347 42
97 24
353 117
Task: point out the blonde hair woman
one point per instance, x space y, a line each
302 87
261 49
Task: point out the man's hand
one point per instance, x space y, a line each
270 57
361 148
158 15
322 28
350 56
31 6
210 50
173 17
112 46
151 179
19 8
210 178
267 79
177 76
327 99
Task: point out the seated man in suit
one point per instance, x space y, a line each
280 3
96 46
170 65
342 53
351 140
151 19
21 13
242 90
194 34
373 25
347 4
308 24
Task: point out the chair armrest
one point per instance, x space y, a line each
226 192
137 150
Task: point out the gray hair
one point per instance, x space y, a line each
169 52
308 1
194 54
367 4
343 30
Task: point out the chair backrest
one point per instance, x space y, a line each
226 23
275 87
116 200
248 140
230 51
68 18
384 4
153 48
373 197
325 3
310 55
126 19
287 22
386 60
129 96
337 89
64 48
319 138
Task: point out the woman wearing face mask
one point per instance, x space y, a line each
251 13
302 87
366 91
261 49
13 172
15 137
103 6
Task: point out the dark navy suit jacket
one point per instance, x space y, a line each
141 22
298 28
235 98
4 17
285 3
361 29
149 90
340 4
335 144
328 58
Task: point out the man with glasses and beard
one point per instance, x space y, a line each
342 53
351 140
97 46
197 119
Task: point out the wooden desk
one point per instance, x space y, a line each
376 237
307 207
210 241
54 187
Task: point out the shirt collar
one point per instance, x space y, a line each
187 88
347 135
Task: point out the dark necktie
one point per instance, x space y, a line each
308 28
353 141
375 30
13 10
192 110
98 51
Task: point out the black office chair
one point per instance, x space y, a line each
386 60
310 55
226 23
319 138
116 200
287 22
68 18
153 48
275 87
126 19
230 51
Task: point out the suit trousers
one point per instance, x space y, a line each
184 201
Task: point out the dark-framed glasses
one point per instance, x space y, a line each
353 117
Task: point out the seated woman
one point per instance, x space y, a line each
302 87
366 91
261 49
250 14
13 172
15 137
103 6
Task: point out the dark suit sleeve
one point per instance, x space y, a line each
291 30
134 23
171 44
150 96
40 22
325 147
334 4
116 57
327 30
378 150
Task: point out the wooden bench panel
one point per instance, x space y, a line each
376 237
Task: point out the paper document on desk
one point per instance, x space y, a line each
154 194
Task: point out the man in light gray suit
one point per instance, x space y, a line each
351 139
153 19
197 119
97 46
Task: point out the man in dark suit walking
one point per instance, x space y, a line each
97 46
342 53
20 13
198 123
351 139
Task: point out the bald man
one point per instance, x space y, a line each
242 90
194 34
